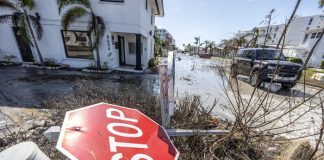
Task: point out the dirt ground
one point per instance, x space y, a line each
23 90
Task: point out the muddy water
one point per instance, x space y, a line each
196 76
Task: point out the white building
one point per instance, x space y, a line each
165 35
129 24
300 38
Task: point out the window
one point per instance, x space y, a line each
277 28
269 55
305 39
121 1
310 21
77 44
152 17
274 36
146 4
307 28
318 34
313 35
271 29
248 54
132 48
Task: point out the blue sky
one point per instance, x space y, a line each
219 19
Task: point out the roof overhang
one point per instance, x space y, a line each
159 8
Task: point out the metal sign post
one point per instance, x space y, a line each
164 96
167 81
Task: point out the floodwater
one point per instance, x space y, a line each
22 90
197 76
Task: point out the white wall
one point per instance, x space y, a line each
129 17
8 44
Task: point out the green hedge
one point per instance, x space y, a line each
295 60
322 65
153 62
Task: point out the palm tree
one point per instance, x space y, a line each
207 43
25 23
82 8
197 42
212 46
289 21
157 44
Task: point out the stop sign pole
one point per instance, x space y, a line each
106 131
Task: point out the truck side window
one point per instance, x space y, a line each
240 54
248 54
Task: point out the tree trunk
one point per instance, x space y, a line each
33 37
94 20
288 23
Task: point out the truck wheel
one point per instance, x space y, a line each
255 79
288 85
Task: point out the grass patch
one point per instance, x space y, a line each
309 73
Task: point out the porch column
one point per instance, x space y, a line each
138 52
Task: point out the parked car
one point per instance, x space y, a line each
266 65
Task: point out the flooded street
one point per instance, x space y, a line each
196 76
24 90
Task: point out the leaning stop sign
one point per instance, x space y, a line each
109 132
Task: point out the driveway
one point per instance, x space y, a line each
23 90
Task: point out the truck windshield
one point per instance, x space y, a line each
269 55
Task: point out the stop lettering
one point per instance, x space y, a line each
105 131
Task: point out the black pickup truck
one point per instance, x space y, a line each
261 65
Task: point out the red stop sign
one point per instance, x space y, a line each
110 132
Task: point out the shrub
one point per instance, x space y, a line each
9 58
295 60
153 62
50 62
322 65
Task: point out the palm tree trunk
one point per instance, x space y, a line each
288 23
33 36
94 20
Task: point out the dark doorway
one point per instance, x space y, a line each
121 48
24 48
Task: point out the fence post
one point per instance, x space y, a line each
167 80
164 95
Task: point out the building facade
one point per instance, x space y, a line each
165 35
301 36
128 40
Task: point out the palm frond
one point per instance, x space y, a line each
5 18
35 20
13 18
72 15
101 26
24 34
17 17
321 2
99 31
5 4
64 3
30 4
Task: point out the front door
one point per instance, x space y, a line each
121 48
24 48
